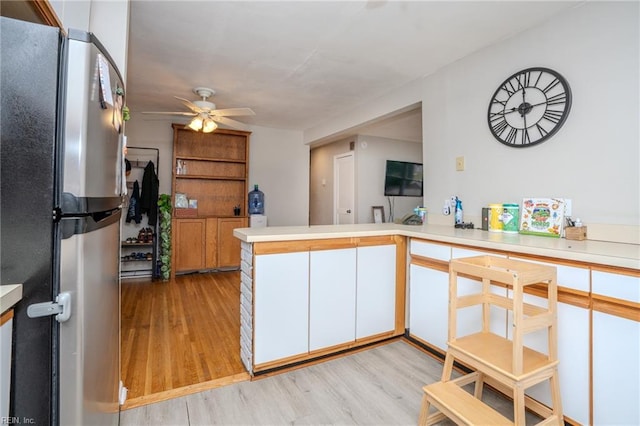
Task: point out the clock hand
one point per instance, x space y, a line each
515 109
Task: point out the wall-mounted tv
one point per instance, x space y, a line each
403 179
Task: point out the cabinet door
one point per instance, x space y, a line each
428 305
616 351
376 290
573 355
228 245
189 245
211 243
332 297
281 306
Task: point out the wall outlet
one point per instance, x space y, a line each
459 164
568 207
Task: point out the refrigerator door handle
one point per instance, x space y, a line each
61 308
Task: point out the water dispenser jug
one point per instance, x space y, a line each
256 201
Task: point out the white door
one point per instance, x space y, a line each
375 290
281 306
332 298
344 189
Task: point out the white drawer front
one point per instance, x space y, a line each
622 287
431 250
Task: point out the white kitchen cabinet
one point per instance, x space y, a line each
428 305
430 250
281 306
616 370
573 357
332 297
616 351
376 290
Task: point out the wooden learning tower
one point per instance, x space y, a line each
506 364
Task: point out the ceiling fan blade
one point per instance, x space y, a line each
229 122
193 107
232 111
190 114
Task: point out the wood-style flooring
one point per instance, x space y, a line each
180 336
377 386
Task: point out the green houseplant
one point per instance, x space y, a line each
164 206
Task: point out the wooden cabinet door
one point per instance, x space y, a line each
332 298
211 243
189 244
280 306
228 245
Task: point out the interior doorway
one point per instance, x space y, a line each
344 189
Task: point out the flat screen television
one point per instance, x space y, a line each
403 179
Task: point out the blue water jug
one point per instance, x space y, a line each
256 201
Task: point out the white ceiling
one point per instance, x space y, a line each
299 63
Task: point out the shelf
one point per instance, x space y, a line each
494 352
137 244
210 177
211 160
135 260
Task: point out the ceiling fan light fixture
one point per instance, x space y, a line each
209 126
196 123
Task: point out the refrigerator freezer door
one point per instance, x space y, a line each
28 117
92 142
89 340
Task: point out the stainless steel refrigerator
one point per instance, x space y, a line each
61 172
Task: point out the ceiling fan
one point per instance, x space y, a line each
204 113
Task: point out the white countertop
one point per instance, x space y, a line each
599 252
10 294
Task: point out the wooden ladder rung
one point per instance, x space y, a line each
462 407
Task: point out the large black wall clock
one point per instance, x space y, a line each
529 107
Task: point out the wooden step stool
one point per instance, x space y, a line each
507 365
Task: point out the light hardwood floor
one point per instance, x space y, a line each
378 386
180 336
181 363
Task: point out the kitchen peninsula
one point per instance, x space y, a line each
311 291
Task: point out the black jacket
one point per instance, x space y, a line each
133 213
149 196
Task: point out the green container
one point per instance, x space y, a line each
510 218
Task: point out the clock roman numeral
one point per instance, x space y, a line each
551 85
500 126
524 79
553 116
511 136
525 136
541 130
560 98
497 101
506 89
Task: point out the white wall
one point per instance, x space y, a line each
371 155
593 159
278 163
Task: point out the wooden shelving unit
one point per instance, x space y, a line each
504 362
217 169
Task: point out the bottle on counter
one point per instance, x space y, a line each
458 212
256 201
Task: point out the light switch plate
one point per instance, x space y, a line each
459 164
